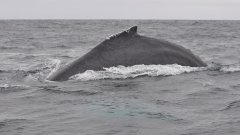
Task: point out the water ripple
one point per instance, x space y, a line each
57 90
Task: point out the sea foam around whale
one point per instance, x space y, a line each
122 72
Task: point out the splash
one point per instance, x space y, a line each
46 69
122 72
53 65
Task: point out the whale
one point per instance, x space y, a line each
128 48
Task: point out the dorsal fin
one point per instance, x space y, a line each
130 32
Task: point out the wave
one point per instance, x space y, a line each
57 90
232 105
122 72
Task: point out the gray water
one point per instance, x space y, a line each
202 102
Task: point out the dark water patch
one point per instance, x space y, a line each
162 116
2 124
57 90
218 89
157 115
232 105
13 121
212 92
10 125
31 38
34 71
119 85
208 93
125 86
9 47
42 27
61 46
78 92
65 56
166 91
113 132
164 102
202 94
200 132
236 87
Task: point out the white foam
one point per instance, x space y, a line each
4 85
10 85
230 69
122 72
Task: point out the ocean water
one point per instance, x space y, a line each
137 100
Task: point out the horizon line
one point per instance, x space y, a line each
119 19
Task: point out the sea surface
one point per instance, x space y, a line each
137 100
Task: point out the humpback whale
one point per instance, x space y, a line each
128 48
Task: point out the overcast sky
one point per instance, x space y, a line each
120 9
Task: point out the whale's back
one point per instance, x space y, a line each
136 49
128 49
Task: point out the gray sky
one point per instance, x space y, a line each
120 9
